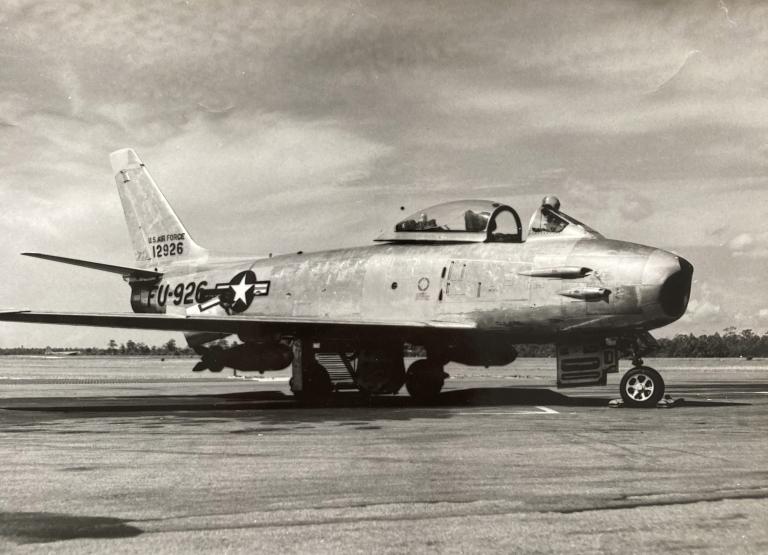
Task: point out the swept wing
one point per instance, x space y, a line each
245 324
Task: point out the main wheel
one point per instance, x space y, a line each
317 385
211 358
424 380
642 387
380 372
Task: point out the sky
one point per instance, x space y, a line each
283 126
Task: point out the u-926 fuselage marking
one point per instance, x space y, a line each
155 297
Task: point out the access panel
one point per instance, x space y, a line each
582 365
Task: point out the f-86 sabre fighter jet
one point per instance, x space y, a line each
460 280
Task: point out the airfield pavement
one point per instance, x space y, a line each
128 455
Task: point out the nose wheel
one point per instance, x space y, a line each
641 387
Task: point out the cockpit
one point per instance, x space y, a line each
484 221
464 221
549 221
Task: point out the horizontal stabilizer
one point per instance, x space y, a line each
122 270
241 324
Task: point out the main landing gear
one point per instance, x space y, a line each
317 385
376 372
424 380
310 382
642 386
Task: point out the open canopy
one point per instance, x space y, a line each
464 221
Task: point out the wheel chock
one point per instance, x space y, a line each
666 403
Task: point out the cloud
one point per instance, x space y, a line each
724 7
706 307
266 122
679 71
702 312
763 313
741 242
270 154
271 178
753 245
636 207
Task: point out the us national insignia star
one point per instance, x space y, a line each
242 287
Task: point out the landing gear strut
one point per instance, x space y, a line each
317 386
310 382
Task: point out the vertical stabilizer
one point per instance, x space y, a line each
157 235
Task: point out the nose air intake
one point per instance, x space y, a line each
676 290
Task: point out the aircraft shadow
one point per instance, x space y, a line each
278 400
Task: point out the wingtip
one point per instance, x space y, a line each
123 159
36 255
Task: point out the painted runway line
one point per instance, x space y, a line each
542 410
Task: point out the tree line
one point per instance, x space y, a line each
129 348
729 343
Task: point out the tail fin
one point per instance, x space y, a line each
157 235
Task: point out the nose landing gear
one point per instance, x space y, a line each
642 387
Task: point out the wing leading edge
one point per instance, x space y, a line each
245 324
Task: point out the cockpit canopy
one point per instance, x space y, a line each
485 221
464 221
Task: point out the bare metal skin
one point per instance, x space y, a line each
459 279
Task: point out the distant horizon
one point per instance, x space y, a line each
732 343
230 337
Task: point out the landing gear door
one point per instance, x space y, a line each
582 365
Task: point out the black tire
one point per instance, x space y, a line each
642 387
382 374
424 380
211 358
317 385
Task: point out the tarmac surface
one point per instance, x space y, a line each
128 455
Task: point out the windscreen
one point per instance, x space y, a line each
546 221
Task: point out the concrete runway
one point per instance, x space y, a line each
142 456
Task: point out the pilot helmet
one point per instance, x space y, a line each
551 201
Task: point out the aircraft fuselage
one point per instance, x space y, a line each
493 287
